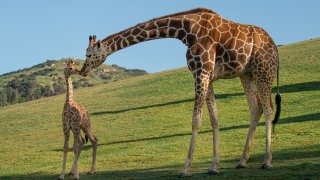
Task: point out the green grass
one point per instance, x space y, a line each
144 124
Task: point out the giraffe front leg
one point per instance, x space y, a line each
195 130
66 131
212 108
200 95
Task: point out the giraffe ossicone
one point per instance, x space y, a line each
217 48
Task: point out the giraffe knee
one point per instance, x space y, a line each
214 123
95 142
195 125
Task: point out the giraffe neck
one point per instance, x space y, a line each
69 93
181 26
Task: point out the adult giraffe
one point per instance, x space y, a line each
217 49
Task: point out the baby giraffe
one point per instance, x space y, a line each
75 118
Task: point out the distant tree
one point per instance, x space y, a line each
59 86
3 97
27 88
12 95
46 91
13 83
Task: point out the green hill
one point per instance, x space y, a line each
144 124
47 79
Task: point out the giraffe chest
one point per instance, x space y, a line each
72 113
75 115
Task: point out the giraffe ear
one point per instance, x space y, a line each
94 39
64 65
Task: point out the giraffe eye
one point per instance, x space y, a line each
88 56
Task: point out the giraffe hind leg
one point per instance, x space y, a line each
255 114
212 108
267 111
264 93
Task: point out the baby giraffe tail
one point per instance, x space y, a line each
86 138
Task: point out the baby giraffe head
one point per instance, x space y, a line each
70 68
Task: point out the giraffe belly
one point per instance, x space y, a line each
230 69
231 62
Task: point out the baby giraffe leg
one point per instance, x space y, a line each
74 152
94 142
65 150
77 150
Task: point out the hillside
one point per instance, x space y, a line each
144 124
47 79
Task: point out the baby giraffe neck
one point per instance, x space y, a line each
69 98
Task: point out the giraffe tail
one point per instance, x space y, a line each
278 101
277 115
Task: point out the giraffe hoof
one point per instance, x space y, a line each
241 166
60 178
266 166
185 175
213 171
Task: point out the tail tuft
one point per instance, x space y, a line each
86 138
278 111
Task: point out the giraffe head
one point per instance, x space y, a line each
70 68
95 56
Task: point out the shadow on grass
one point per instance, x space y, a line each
298 163
218 96
34 176
299 87
307 117
295 153
296 119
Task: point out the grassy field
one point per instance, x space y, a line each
144 124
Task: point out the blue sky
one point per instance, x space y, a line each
36 30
